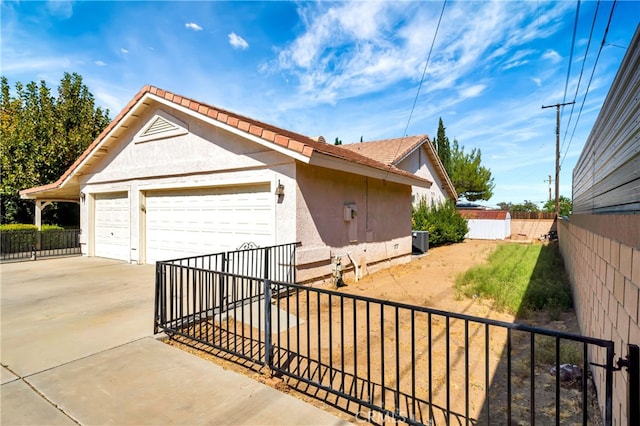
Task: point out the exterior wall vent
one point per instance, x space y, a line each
161 126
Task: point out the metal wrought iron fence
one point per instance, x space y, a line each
273 262
26 244
194 294
388 362
221 310
426 366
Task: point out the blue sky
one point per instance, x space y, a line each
350 69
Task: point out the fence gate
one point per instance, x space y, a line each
386 362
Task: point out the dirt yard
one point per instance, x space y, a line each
427 281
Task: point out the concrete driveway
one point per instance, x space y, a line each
77 348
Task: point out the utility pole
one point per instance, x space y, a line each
549 180
558 151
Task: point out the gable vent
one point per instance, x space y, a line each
159 125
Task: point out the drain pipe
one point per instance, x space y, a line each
355 265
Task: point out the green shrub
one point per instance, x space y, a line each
17 227
16 238
27 227
443 222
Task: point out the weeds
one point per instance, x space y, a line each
570 352
520 278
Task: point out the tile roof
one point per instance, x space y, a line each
296 142
387 151
392 151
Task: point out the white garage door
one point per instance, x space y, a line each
111 232
184 223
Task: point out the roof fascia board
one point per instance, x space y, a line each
230 129
445 176
38 196
334 163
412 150
133 111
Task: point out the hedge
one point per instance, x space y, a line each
17 238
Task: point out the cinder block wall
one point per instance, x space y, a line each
530 229
602 258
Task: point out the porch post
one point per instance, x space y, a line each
39 207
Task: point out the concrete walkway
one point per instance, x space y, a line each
77 348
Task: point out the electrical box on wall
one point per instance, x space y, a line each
350 212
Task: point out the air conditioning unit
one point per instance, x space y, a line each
420 243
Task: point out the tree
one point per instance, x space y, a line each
470 179
505 206
527 206
41 136
337 141
565 206
443 148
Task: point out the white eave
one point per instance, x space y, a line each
330 162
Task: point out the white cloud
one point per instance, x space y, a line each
23 63
518 59
514 64
552 56
537 81
472 91
237 42
109 95
357 48
101 63
60 9
193 26
123 50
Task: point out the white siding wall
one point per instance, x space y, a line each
606 178
488 229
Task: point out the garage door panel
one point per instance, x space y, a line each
190 222
111 226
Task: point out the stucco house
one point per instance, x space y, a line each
172 177
416 155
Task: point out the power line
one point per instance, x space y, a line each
584 99
584 61
573 43
424 72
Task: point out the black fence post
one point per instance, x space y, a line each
156 313
266 263
633 390
608 405
268 345
223 284
292 264
160 308
36 244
